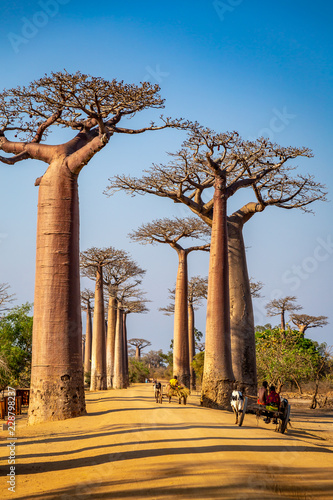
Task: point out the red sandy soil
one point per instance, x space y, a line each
130 447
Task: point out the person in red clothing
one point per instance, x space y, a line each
273 398
272 404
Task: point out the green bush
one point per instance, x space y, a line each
15 346
287 356
87 377
137 370
198 365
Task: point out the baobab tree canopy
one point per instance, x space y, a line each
170 231
140 344
281 306
90 105
259 164
304 321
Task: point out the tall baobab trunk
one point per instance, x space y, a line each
126 374
283 322
112 322
243 348
83 349
98 354
119 381
87 355
218 377
191 343
57 389
181 363
137 353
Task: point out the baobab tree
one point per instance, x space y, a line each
92 262
93 108
139 344
133 301
111 270
304 321
121 269
186 180
280 306
119 368
197 290
279 188
125 306
171 231
86 301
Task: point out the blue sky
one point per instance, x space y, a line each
258 68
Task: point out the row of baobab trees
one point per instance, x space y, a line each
117 279
203 174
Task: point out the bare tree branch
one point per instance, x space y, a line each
5 297
190 175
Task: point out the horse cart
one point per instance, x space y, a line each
181 393
279 416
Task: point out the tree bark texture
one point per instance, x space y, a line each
181 363
98 350
242 329
83 349
126 374
191 343
218 376
119 380
87 354
57 389
112 322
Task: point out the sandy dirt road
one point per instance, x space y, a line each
129 447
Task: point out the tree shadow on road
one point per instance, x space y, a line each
247 484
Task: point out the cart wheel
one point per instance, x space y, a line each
242 413
284 422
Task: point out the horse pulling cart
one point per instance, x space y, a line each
158 392
278 416
181 393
